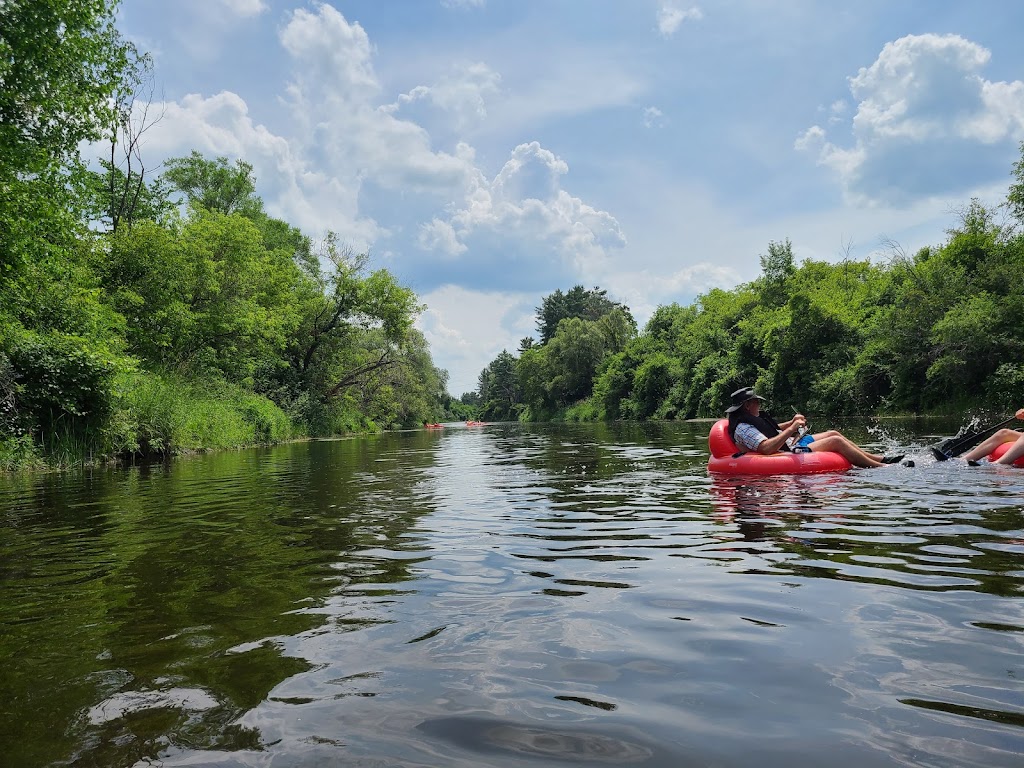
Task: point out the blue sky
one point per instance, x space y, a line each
488 152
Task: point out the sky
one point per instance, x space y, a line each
489 152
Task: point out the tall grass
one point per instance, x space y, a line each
163 414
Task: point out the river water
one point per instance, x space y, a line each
512 596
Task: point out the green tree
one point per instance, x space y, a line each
498 386
215 185
577 302
1015 197
208 299
574 354
777 268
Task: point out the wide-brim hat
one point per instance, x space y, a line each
740 396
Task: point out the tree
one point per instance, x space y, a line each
215 185
208 299
577 302
120 190
499 388
1015 197
776 270
573 356
60 63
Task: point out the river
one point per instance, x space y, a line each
513 595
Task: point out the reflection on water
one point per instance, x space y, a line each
511 596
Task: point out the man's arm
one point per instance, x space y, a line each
774 444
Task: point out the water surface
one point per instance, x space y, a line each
512 596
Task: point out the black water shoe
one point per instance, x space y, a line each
893 459
973 463
939 455
908 463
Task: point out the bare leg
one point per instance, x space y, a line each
987 446
1013 453
844 447
836 433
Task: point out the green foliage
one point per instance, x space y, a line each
499 389
652 383
1005 388
61 379
1015 196
214 185
208 298
577 302
777 268
129 326
156 414
60 62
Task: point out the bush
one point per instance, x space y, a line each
62 379
164 414
1006 386
18 453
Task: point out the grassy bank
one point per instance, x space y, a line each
148 414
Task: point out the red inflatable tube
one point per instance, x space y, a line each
723 449
999 450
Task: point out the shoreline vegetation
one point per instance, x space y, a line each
147 314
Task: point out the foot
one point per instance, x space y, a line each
893 459
939 455
908 463
973 463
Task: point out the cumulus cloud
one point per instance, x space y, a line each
332 52
339 139
671 16
220 125
644 291
523 218
462 95
466 329
927 122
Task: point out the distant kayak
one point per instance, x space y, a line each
433 426
727 459
475 423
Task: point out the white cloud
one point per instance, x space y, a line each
332 52
644 291
654 118
338 140
671 16
462 94
309 198
466 329
463 3
927 122
523 217
245 8
440 236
